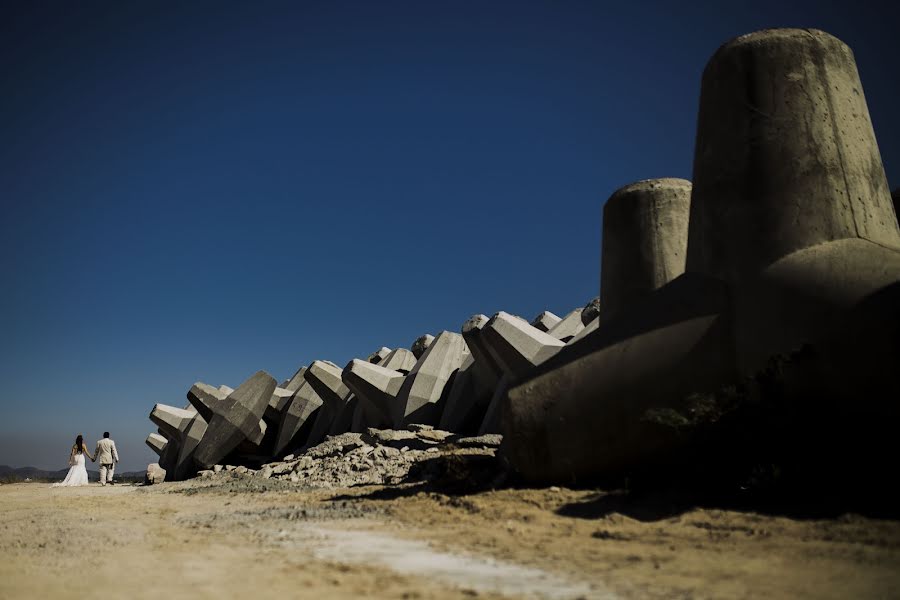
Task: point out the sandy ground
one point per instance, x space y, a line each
227 540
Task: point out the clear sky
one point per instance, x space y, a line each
197 190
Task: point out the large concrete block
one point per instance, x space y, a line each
208 400
645 228
157 443
277 403
421 344
399 359
467 401
379 355
545 321
786 156
516 346
335 416
421 395
171 421
569 326
374 385
590 311
297 419
485 367
239 421
297 379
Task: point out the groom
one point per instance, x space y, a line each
106 455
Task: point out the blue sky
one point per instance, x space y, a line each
194 191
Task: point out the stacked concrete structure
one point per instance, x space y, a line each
788 236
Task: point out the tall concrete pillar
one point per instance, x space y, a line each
645 228
786 157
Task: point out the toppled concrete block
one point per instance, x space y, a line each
467 401
208 401
171 421
420 397
379 355
568 327
545 321
590 311
157 443
399 359
297 419
335 416
516 346
297 379
277 403
155 474
239 420
421 344
375 385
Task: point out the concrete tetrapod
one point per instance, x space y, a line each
297 419
545 321
421 344
569 326
374 385
157 443
338 403
420 399
759 280
277 403
173 423
379 355
208 400
238 421
399 359
645 227
293 384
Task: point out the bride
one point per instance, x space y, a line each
77 474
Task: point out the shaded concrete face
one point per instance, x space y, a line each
400 359
297 419
895 195
786 157
375 385
293 384
172 421
645 229
325 379
590 311
277 404
206 399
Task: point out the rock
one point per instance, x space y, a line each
155 474
266 472
590 311
492 440
289 457
419 427
217 468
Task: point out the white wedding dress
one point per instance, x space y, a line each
77 474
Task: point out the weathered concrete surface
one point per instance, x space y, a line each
156 442
515 346
297 419
293 384
379 355
491 421
184 465
421 344
569 326
335 415
468 399
895 195
399 359
486 368
208 400
645 228
545 321
172 421
786 157
581 412
239 420
420 397
375 385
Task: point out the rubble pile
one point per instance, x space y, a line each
787 236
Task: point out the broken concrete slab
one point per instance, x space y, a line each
239 421
297 419
421 344
545 321
645 228
568 327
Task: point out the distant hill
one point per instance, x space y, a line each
11 474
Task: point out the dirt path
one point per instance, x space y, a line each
208 540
